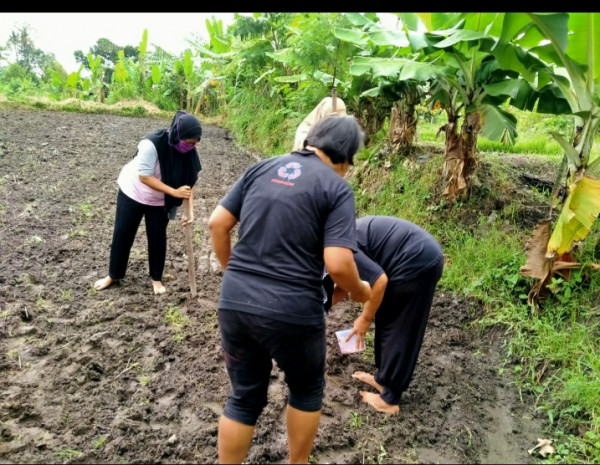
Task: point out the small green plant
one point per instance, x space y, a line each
66 295
100 442
382 454
86 212
144 380
563 291
369 353
78 233
68 454
179 321
43 304
355 420
24 278
175 317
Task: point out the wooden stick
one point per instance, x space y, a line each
190 251
334 99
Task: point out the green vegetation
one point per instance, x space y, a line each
355 420
178 321
66 294
67 454
261 88
100 442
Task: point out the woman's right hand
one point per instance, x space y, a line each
183 192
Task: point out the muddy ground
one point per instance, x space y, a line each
124 376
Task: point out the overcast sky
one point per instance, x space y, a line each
63 33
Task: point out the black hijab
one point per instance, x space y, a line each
177 169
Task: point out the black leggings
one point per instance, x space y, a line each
400 324
127 221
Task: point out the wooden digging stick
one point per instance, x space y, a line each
187 211
334 99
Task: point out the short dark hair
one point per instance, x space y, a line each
338 136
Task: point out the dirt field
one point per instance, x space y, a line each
124 376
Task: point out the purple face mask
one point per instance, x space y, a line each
181 146
184 147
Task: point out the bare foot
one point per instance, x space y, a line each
378 403
158 287
103 283
367 378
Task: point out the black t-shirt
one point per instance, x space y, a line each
289 208
395 246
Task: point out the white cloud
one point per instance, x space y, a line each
63 33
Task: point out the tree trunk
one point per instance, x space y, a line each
460 159
403 127
370 119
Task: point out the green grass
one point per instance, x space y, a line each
100 442
178 321
67 454
533 134
355 420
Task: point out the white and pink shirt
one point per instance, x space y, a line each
145 163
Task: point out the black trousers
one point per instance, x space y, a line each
251 343
127 221
400 325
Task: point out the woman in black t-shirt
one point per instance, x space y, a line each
403 264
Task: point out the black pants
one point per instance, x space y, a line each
400 325
250 343
127 221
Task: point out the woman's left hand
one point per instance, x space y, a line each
183 192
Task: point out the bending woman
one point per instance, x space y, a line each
152 185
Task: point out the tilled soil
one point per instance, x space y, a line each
124 376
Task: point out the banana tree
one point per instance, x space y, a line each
97 76
563 48
473 87
377 91
399 83
122 84
145 82
62 84
465 79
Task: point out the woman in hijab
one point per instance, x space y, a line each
323 109
152 185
